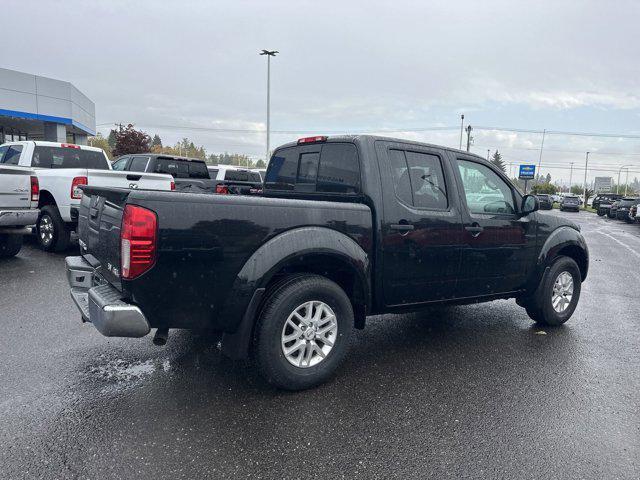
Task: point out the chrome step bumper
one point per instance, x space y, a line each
102 305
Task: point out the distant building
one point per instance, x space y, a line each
40 108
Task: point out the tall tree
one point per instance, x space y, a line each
130 140
101 142
112 139
496 159
157 141
548 178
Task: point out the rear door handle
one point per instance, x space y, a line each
474 230
403 227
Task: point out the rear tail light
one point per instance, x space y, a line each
316 139
173 185
70 145
75 191
138 241
223 189
35 189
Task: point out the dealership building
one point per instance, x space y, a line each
40 108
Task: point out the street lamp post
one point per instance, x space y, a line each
269 54
570 175
461 129
544 133
586 163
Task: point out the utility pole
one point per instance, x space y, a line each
586 163
544 132
488 154
619 172
461 129
570 175
469 129
269 54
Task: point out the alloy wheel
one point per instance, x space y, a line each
309 334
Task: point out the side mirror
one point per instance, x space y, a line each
530 204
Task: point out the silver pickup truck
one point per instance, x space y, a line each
19 195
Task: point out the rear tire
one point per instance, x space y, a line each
10 245
53 234
557 295
290 307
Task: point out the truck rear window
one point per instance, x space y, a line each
181 168
329 168
242 176
61 157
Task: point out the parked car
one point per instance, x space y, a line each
189 174
19 193
624 206
613 209
546 202
570 202
633 212
347 227
236 180
261 171
605 197
61 169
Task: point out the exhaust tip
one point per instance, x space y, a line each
161 336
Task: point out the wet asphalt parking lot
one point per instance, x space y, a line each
462 392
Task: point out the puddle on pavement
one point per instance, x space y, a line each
121 374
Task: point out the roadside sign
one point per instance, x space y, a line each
527 172
603 184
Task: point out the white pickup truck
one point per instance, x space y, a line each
61 168
18 204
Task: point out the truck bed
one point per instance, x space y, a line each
203 241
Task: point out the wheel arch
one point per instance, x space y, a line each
564 241
314 250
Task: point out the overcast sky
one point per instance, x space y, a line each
396 66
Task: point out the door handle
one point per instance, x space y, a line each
474 229
403 227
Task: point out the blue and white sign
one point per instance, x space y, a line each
527 172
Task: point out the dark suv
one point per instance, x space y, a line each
570 202
546 201
624 206
605 198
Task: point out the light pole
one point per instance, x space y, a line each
488 154
619 172
586 163
461 129
269 54
469 137
544 133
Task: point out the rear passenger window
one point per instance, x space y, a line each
418 179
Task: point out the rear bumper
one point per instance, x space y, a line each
19 218
102 305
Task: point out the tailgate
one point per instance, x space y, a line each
138 180
99 223
15 187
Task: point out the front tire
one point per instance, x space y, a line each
10 245
53 234
557 295
303 332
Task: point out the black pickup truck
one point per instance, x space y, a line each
346 227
